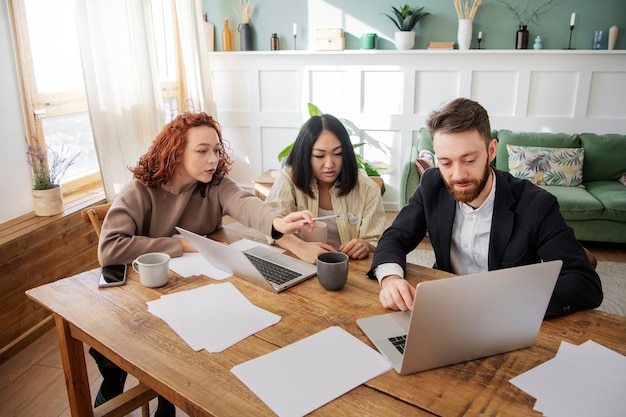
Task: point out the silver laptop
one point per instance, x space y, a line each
467 317
260 265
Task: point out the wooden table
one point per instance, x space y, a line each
263 183
115 321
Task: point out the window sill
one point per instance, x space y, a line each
22 225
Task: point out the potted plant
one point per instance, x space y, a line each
371 171
524 16
405 20
49 167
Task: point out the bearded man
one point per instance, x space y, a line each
480 218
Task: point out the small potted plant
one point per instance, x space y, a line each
524 16
49 167
405 20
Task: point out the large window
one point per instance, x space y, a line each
52 79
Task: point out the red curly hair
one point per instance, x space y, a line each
158 166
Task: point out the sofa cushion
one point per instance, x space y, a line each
605 156
422 165
612 195
550 140
424 142
576 203
547 166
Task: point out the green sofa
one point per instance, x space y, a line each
596 211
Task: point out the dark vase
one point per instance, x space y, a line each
522 38
245 37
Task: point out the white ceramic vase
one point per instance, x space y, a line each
405 40
464 35
48 202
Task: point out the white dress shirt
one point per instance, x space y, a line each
469 252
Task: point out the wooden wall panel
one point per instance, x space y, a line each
35 251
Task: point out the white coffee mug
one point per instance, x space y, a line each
153 269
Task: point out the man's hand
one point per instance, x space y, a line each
396 293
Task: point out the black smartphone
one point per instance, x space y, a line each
112 275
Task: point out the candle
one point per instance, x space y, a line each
295 29
573 19
480 35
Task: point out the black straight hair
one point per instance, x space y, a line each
299 159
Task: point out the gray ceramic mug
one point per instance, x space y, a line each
332 270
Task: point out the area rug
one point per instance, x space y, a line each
612 275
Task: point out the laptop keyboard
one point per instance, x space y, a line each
398 342
274 273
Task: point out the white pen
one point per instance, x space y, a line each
332 216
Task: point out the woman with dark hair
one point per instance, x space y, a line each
322 176
181 181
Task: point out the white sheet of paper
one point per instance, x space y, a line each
584 380
194 264
212 317
314 370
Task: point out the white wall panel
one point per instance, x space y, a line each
279 90
231 90
261 96
336 91
607 98
496 91
274 140
245 154
432 88
387 100
383 150
553 93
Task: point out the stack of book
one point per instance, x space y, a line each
441 45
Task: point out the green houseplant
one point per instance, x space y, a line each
49 167
362 163
405 19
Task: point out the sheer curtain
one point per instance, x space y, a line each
122 82
197 74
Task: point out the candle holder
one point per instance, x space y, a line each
479 41
571 30
294 41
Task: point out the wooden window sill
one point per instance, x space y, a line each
19 226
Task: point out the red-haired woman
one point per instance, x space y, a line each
181 181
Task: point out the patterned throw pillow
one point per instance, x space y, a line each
425 159
547 166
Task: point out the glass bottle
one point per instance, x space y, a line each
522 38
274 42
227 38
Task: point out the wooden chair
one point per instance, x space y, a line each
95 216
139 395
